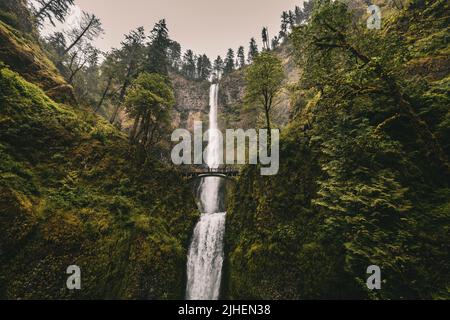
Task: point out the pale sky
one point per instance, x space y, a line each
205 26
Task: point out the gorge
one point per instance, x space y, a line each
204 266
362 181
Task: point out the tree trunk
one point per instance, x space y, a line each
267 107
80 36
134 130
119 104
105 92
75 72
122 93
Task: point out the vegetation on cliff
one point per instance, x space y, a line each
363 175
73 192
364 170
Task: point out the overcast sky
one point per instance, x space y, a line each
205 26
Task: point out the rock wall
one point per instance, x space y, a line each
192 101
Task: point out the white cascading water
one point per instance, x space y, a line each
204 268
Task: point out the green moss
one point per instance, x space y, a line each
24 55
71 193
357 184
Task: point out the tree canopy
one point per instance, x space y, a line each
264 81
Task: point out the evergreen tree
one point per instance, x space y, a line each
189 65
275 42
89 28
229 62
265 39
130 60
84 74
174 55
203 67
85 55
241 57
284 24
157 61
299 16
198 66
56 43
107 76
291 20
218 68
307 9
253 50
52 10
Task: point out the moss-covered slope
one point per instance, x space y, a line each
72 194
21 52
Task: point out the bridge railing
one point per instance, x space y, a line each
232 172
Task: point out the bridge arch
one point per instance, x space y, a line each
228 174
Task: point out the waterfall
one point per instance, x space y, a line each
205 259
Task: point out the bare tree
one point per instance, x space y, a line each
89 28
85 55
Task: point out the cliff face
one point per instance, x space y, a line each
192 101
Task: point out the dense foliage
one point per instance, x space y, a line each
263 83
364 174
73 193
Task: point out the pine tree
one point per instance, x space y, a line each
174 55
229 62
241 57
189 65
85 55
108 74
218 68
89 28
198 66
284 24
275 42
52 10
206 68
307 9
130 59
57 42
291 20
299 16
265 39
157 61
253 50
